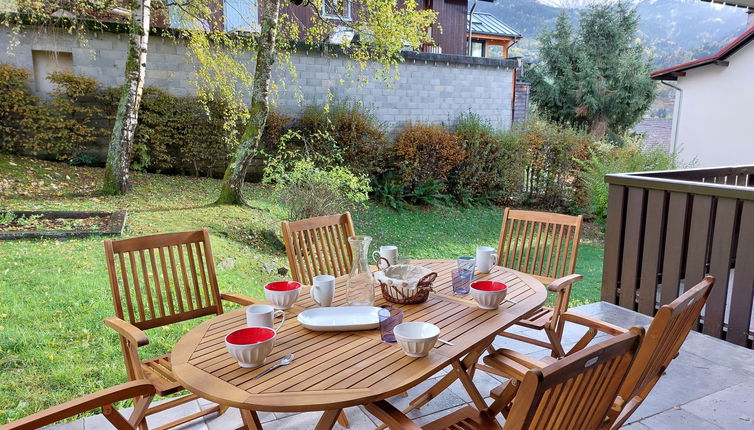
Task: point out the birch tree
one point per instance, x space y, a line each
78 17
384 27
116 180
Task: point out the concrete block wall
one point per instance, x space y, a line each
430 87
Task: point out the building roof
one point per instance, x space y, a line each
486 23
739 3
657 132
672 73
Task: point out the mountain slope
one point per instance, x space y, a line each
672 30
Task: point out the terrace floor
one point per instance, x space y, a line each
710 386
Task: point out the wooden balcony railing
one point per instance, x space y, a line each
666 230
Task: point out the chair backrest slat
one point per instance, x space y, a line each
575 392
669 329
162 279
542 244
318 246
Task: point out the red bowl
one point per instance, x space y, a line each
282 286
250 335
488 286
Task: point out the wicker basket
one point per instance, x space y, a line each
404 295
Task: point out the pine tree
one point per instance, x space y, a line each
597 76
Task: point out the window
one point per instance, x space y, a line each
174 16
338 9
46 62
241 15
477 48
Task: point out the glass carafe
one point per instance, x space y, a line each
360 284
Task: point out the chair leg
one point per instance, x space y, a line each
583 342
505 398
343 419
557 348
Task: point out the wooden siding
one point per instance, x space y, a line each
452 19
666 230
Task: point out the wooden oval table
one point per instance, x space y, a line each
334 370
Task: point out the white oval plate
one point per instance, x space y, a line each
342 318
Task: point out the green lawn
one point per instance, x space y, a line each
54 294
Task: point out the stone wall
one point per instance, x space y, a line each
431 87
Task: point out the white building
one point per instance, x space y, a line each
713 120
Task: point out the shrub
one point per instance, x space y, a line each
359 139
553 157
492 169
64 126
632 157
276 126
389 190
177 135
429 153
16 103
309 188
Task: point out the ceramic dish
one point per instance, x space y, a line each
416 338
488 294
343 318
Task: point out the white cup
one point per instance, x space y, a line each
323 290
264 316
388 252
486 258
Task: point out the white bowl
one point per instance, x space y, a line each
282 294
488 294
250 345
416 338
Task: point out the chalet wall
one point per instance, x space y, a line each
714 118
451 15
433 88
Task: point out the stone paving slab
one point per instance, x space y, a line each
710 386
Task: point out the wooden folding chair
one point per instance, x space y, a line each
544 245
666 334
155 281
574 393
317 246
142 390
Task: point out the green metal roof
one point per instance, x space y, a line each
485 23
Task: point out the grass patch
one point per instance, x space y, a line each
54 294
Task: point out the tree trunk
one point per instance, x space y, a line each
599 128
121 142
232 188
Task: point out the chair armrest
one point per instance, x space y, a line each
392 417
593 323
95 400
512 363
559 284
238 298
134 334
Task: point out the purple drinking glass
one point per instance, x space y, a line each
389 318
461 281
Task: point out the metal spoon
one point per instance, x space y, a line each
283 362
